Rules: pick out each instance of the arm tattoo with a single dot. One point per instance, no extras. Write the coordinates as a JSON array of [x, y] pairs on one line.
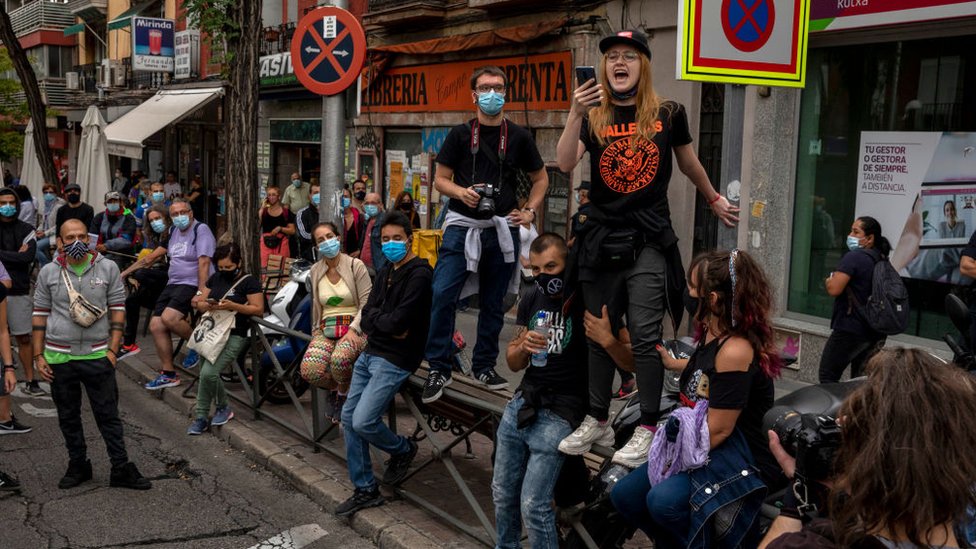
[[39, 328], [116, 326]]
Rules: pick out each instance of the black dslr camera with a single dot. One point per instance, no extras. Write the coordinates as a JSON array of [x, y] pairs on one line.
[[812, 439], [486, 205]]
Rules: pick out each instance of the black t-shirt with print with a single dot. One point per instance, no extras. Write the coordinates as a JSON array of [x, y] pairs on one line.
[[624, 178], [563, 380], [750, 391], [520, 153], [249, 286]]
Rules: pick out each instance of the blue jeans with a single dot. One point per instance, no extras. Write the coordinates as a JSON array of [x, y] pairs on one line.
[[375, 381], [663, 513], [494, 276], [43, 248], [527, 464]]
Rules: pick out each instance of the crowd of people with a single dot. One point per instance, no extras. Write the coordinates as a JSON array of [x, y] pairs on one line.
[[590, 308]]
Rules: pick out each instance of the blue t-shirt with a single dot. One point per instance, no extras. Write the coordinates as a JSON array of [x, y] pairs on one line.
[[859, 265]]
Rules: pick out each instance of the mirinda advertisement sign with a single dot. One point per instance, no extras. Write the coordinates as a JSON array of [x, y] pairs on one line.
[[536, 82], [153, 44]]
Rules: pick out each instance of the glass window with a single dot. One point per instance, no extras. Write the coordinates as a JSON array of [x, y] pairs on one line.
[[922, 85]]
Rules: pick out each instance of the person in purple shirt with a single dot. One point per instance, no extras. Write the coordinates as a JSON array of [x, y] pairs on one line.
[[190, 249]]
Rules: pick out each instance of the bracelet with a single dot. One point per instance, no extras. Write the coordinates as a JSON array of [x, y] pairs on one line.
[[716, 199], [9, 367]]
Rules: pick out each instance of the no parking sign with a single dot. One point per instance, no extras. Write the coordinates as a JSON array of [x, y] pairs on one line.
[[761, 42]]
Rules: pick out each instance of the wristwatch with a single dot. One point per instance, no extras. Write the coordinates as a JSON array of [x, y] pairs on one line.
[[530, 210], [199, 293]]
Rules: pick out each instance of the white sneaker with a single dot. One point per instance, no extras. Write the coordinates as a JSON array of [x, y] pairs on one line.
[[635, 451], [590, 432]]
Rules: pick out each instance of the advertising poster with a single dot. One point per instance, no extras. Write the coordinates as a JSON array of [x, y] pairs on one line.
[[921, 187], [187, 54], [153, 44]]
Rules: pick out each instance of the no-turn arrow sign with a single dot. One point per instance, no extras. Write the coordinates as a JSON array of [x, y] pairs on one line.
[[328, 50]]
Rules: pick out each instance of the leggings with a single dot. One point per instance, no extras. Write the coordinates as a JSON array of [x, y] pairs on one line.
[[333, 359]]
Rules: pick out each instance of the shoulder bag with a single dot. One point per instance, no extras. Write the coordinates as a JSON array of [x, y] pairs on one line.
[[83, 312], [213, 330]]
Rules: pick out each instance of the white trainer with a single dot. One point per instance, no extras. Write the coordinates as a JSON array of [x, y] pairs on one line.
[[635, 451], [590, 432]]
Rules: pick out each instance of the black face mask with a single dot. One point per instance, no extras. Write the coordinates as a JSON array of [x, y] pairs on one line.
[[74, 198], [550, 284], [692, 304], [360, 195], [406, 206], [230, 276]]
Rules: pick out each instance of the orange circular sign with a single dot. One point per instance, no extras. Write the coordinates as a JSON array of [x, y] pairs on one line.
[[328, 50]]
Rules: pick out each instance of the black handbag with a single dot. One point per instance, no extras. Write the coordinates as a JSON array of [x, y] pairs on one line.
[[272, 241], [620, 248]]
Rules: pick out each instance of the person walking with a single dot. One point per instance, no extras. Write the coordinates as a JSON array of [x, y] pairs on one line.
[[80, 348], [277, 224], [476, 169], [627, 251], [45, 232], [852, 341], [227, 290], [18, 248]]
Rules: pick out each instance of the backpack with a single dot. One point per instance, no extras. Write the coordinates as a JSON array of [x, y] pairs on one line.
[[886, 310]]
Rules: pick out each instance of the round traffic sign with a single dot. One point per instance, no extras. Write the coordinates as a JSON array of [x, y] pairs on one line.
[[328, 50], [748, 24]]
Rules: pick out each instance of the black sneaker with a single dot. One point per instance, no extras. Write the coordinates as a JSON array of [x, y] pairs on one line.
[[8, 483], [434, 386], [398, 465], [13, 427], [127, 476], [33, 389], [490, 378], [361, 499], [78, 472]]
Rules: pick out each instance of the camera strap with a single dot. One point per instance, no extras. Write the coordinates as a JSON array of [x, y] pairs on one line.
[[807, 507], [476, 146]]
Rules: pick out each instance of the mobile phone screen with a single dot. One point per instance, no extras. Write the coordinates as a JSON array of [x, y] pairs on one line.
[[584, 73]]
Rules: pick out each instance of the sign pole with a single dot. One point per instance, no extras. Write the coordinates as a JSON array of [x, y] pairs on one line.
[[333, 165], [733, 120]]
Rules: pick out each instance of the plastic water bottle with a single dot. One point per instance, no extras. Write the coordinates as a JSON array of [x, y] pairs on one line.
[[541, 328]]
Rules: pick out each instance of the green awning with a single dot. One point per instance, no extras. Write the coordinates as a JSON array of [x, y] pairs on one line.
[[74, 29], [125, 18]]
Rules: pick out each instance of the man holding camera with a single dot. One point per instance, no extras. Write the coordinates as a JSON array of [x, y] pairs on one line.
[[477, 169]]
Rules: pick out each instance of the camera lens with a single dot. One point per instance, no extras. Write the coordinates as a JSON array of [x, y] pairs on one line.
[[786, 423]]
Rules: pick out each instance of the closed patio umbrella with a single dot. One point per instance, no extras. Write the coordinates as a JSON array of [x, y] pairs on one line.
[[93, 174], [31, 175]]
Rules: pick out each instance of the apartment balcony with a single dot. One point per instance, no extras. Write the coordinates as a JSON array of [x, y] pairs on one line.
[[40, 15], [89, 10], [398, 13], [276, 39]]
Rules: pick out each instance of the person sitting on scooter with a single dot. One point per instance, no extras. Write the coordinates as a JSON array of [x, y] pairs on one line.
[[340, 289], [227, 290], [730, 378], [904, 468], [547, 406]]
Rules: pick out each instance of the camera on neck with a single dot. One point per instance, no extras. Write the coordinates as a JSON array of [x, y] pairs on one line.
[[486, 205]]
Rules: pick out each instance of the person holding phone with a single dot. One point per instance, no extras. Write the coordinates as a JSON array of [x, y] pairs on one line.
[[628, 254]]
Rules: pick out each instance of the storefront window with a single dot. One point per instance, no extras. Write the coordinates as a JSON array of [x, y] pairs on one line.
[[926, 86]]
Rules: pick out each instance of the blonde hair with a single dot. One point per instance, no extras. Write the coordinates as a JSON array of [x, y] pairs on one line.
[[648, 105]]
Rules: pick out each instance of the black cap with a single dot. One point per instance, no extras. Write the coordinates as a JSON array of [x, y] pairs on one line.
[[72, 187], [633, 38], [583, 186]]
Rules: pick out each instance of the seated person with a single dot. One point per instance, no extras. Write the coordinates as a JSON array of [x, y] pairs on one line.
[[146, 283], [116, 230]]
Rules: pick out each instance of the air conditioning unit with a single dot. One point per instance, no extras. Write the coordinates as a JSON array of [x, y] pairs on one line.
[[71, 81], [118, 76]]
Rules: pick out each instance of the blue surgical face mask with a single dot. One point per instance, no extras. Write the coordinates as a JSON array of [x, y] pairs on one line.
[[112, 208], [158, 225], [158, 197], [329, 248], [853, 242], [181, 222], [395, 250], [8, 210], [491, 102], [346, 201], [49, 197], [316, 199], [371, 210], [296, 182]]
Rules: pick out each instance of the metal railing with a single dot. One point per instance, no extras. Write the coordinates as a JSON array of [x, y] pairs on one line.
[[87, 9], [276, 39], [40, 15]]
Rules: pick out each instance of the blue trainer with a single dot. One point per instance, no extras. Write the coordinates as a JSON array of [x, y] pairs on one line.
[[222, 415], [191, 360], [198, 427], [163, 380]]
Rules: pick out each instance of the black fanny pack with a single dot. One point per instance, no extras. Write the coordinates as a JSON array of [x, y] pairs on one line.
[[272, 241], [620, 248]]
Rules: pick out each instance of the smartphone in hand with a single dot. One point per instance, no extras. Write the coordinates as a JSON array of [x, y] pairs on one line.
[[585, 73]]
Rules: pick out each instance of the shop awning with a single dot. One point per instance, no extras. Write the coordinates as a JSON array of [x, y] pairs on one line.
[[126, 135], [74, 29], [124, 19]]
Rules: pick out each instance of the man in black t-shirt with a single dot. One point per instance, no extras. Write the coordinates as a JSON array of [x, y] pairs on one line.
[[476, 169], [548, 405], [74, 209]]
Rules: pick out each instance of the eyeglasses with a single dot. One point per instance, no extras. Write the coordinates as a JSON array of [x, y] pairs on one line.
[[629, 56], [497, 89]]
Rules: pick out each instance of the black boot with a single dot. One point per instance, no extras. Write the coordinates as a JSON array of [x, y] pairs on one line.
[[78, 472], [127, 476]]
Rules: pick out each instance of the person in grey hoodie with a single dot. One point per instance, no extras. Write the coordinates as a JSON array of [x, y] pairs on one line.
[[69, 355]]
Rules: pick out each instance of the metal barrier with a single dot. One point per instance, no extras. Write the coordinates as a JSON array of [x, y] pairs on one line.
[[457, 413]]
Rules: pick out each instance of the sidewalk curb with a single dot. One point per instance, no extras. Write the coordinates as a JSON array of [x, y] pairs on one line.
[[378, 525]]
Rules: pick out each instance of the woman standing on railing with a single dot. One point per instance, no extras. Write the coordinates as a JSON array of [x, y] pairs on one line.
[[227, 290], [340, 288]]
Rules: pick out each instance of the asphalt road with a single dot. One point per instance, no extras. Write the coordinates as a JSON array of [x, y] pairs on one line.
[[205, 494]]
